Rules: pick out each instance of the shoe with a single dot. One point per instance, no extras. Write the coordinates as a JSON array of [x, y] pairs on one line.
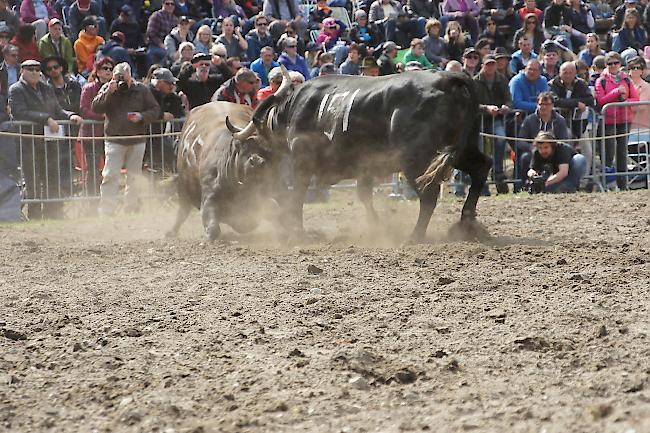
[[502, 186]]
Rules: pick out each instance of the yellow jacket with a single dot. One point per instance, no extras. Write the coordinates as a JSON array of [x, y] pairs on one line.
[[85, 47]]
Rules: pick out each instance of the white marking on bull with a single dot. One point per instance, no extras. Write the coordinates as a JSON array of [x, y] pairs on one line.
[[346, 116], [322, 106], [329, 135], [333, 108]]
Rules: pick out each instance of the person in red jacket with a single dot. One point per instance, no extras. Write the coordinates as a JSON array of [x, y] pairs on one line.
[[25, 40], [614, 86]]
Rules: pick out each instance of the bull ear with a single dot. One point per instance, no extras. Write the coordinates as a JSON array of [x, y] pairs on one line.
[[232, 128]]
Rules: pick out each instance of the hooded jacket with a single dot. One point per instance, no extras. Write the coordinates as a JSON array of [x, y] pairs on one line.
[[85, 47], [533, 124], [607, 91], [524, 93], [47, 49], [300, 65]]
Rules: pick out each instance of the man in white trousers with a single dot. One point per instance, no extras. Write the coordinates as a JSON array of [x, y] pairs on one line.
[[128, 106]]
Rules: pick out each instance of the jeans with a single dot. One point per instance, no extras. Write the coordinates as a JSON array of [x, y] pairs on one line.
[[155, 55], [577, 169], [617, 146], [496, 127], [118, 156]]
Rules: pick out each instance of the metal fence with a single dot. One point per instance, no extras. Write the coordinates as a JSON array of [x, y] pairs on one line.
[[63, 167]]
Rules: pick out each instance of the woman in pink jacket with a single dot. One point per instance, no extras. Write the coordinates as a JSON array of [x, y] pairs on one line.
[[641, 120], [614, 86]]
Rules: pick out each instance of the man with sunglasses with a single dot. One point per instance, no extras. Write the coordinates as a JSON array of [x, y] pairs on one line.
[[258, 37], [159, 26], [9, 69], [67, 91], [196, 81], [241, 89], [48, 162], [291, 59]]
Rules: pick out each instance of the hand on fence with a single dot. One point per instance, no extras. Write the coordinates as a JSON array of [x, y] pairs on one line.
[[53, 125], [77, 120]]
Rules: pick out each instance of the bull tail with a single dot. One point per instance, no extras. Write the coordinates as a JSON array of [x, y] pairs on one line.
[[439, 170]]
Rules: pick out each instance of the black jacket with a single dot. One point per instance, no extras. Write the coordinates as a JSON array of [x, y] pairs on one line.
[[554, 15], [68, 96], [498, 95], [35, 105], [386, 66], [170, 103], [197, 92], [423, 8], [580, 93]]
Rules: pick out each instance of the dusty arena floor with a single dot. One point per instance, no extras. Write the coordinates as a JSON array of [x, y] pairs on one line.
[[544, 328]]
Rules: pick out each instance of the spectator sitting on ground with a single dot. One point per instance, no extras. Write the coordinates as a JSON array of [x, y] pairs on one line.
[[352, 65], [522, 56], [369, 67], [10, 69], [37, 16], [25, 40], [493, 35], [86, 45], [291, 59], [416, 53], [435, 48], [232, 39], [543, 119], [258, 37], [218, 65], [203, 40], [559, 161], [274, 79], [526, 86], [56, 44], [241, 89], [363, 32], [196, 81], [503, 62], [386, 65], [177, 36], [328, 69], [456, 41], [67, 91], [470, 62], [591, 50], [159, 26], [573, 97], [127, 24], [550, 61], [264, 65], [186, 51], [82, 9]]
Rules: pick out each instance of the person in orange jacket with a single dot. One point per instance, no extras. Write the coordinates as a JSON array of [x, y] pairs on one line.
[[87, 44]]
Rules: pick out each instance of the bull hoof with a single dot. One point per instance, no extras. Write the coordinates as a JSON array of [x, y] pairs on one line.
[[171, 235], [212, 233], [468, 229]]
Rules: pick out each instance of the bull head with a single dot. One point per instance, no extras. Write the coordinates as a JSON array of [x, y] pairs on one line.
[[261, 112]]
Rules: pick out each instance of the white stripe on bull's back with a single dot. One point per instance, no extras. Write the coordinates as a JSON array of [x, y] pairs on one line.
[[346, 116], [322, 106]]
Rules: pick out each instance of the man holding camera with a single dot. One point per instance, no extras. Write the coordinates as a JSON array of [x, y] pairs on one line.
[[128, 106], [555, 167]]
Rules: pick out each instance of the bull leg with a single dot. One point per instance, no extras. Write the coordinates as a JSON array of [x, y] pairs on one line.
[[300, 186], [478, 172], [428, 202], [364, 191], [184, 208], [209, 218]]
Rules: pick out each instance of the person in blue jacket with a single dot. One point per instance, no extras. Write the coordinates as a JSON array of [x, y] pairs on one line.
[[264, 64], [526, 86], [114, 48], [292, 60]]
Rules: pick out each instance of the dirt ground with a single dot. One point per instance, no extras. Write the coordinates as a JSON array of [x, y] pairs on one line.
[[545, 327]]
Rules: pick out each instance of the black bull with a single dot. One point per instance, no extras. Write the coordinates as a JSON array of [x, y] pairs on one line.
[[230, 180], [336, 127]]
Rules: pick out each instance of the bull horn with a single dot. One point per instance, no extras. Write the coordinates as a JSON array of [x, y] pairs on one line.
[[283, 90], [238, 133]]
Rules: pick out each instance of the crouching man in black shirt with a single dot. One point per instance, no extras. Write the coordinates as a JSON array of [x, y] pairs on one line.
[[556, 164]]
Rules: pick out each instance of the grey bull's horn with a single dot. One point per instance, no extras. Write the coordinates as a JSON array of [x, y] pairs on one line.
[[284, 88], [238, 133]]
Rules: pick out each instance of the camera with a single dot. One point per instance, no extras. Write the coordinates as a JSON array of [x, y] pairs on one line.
[[121, 84], [537, 184]]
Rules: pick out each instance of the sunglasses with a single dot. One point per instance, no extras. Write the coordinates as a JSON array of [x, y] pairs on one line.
[[32, 69], [106, 68], [53, 67], [613, 63], [636, 68], [292, 46], [169, 4]]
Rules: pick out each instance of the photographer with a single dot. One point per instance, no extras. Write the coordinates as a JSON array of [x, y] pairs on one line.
[[555, 167], [128, 106]]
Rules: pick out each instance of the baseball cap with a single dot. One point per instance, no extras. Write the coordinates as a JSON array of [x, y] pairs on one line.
[[184, 19], [199, 57], [489, 58], [390, 44], [30, 62], [329, 23], [328, 69], [127, 10], [468, 51], [500, 53], [54, 21], [164, 74], [219, 50]]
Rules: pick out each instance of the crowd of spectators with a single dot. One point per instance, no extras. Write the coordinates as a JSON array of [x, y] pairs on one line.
[[227, 50]]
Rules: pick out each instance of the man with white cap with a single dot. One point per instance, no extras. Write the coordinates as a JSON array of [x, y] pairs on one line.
[[50, 166], [128, 106], [54, 43]]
